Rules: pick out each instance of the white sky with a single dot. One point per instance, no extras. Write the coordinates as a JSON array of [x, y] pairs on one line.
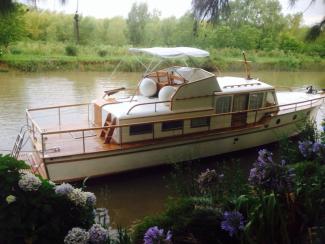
[[110, 8]]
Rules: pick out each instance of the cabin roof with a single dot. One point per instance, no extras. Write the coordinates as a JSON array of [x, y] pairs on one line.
[[237, 84], [120, 110], [142, 106]]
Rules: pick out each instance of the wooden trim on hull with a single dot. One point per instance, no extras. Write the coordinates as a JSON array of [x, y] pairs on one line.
[[177, 146]]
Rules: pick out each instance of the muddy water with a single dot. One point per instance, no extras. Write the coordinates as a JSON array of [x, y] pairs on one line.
[[128, 196]]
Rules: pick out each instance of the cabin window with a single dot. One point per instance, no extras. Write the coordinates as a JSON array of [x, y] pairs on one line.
[[200, 122], [141, 129], [270, 99], [172, 125], [223, 104], [240, 102], [256, 100]]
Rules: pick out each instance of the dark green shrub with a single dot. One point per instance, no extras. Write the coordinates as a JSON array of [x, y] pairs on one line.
[[15, 51], [39, 215], [71, 50], [102, 53]]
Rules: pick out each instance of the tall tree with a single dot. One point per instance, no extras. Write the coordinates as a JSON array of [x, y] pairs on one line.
[[12, 25], [316, 30], [210, 10], [137, 20]]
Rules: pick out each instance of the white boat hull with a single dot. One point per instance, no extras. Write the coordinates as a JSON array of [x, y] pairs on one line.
[[77, 167]]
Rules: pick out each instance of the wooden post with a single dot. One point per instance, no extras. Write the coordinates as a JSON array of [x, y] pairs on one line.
[[248, 75], [83, 141], [59, 117]]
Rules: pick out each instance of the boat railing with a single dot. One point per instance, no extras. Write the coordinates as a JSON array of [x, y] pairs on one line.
[[144, 104], [44, 136], [60, 107]]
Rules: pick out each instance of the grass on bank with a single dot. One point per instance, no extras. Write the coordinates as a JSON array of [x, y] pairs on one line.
[[40, 56]]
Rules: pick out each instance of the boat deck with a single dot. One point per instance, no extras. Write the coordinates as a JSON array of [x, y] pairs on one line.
[[70, 132]]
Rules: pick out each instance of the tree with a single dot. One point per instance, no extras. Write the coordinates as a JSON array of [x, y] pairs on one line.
[[316, 30], [210, 10], [12, 25], [137, 20], [264, 15]]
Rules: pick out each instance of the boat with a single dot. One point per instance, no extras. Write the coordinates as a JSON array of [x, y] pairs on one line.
[[177, 114]]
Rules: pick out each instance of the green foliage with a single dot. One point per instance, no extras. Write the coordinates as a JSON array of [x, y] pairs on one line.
[[12, 25], [290, 44], [71, 50], [271, 215], [39, 216], [102, 53], [137, 20], [253, 25], [187, 221]]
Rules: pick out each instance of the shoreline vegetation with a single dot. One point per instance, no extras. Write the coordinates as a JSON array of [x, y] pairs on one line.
[[34, 40], [42, 56]]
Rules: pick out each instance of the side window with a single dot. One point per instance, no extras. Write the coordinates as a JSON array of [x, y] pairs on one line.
[[140, 129], [240, 102], [270, 99], [172, 125], [256, 100], [200, 122], [223, 104]]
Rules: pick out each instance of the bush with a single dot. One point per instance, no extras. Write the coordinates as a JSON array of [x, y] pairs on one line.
[[102, 53], [32, 212], [71, 50], [15, 51], [276, 201]]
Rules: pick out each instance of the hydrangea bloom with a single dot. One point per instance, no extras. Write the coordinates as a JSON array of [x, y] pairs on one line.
[[269, 175], [64, 189], [97, 234], [78, 197], [154, 235], [232, 222], [10, 199], [29, 182], [76, 236], [208, 178], [91, 198]]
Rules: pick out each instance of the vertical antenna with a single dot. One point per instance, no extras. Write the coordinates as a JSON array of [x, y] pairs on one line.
[[248, 75]]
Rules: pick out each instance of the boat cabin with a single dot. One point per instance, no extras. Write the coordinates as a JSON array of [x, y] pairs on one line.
[[183, 101]]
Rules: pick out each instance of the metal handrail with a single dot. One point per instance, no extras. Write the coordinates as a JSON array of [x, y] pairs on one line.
[[58, 106], [271, 109], [141, 104], [192, 117]]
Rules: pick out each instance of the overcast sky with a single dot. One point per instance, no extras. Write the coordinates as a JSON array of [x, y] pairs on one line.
[[110, 8]]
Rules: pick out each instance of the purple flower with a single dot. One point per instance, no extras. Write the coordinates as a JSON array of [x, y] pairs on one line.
[[97, 234], [63, 189], [154, 235], [91, 198], [232, 222], [312, 150], [306, 148], [269, 175]]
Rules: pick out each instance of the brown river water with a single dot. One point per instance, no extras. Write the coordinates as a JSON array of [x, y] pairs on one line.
[[129, 196]]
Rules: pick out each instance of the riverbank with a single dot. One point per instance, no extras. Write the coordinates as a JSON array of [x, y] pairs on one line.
[[38, 57]]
